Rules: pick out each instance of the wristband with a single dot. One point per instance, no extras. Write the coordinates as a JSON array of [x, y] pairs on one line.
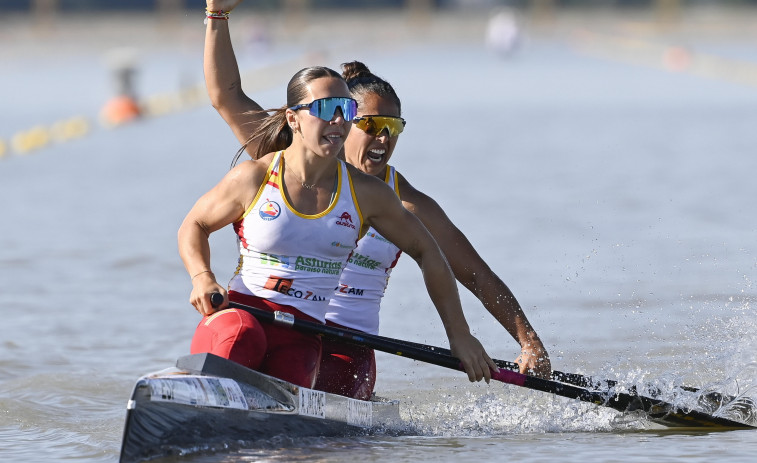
[[220, 14]]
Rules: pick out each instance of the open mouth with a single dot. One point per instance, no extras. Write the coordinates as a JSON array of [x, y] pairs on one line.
[[333, 138], [376, 155]]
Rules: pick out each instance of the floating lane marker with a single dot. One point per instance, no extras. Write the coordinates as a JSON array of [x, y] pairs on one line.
[[70, 129], [161, 105], [41, 136], [30, 140], [123, 110], [119, 110]]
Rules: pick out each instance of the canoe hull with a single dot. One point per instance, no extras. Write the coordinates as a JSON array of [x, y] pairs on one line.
[[210, 403]]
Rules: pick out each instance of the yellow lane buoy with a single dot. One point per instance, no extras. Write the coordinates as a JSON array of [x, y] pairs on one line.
[[30, 140], [68, 129]]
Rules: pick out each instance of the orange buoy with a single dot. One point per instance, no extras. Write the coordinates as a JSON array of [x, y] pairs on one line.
[[119, 110]]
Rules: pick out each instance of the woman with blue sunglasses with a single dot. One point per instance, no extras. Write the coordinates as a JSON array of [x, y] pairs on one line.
[[347, 369], [298, 212]]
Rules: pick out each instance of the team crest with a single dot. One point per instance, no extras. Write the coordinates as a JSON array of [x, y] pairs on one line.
[[269, 210]]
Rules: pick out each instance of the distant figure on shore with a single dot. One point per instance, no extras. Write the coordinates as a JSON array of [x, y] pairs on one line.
[[502, 32], [123, 107]]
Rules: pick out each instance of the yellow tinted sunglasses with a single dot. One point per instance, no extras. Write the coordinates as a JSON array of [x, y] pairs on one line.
[[374, 125]]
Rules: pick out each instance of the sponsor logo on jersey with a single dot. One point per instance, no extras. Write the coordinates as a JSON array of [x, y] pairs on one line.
[[280, 285], [274, 260], [337, 244], [311, 264], [345, 289], [269, 210], [284, 286], [364, 261], [378, 237], [345, 220]]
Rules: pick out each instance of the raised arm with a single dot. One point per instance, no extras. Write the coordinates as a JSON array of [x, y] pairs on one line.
[[222, 79], [383, 211], [476, 275]]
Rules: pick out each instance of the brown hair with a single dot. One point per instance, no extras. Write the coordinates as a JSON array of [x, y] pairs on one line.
[[362, 81], [274, 133]]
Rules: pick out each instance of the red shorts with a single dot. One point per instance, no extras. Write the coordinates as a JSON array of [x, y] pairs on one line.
[[275, 350], [346, 369]]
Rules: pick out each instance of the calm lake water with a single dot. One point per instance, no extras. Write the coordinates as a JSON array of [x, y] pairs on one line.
[[615, 197]]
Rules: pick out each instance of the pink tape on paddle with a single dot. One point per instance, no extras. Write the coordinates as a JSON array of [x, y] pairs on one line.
[[509, 377]]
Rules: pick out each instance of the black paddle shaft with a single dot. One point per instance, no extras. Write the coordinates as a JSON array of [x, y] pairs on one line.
[[713, 398], [657, 410]]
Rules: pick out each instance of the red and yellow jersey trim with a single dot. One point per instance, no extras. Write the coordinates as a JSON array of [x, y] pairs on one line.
[[271, 178]]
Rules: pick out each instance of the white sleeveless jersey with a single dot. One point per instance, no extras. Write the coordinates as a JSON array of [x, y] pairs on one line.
[[292, 258], [356, 301]]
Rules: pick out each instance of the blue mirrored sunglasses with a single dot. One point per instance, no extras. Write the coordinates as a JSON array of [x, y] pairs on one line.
[[325, 108]]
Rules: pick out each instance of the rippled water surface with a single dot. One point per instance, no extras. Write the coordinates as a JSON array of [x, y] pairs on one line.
[[615, 198]]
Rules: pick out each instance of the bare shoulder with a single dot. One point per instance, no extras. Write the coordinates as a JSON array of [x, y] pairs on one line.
[[412, 198], [363, 181], [248, 175], [372, 193]]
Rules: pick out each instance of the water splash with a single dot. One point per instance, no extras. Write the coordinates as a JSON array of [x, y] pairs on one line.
[[516, 411]]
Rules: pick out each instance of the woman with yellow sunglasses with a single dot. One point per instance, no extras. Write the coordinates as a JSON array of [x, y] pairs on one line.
[[346, 369]]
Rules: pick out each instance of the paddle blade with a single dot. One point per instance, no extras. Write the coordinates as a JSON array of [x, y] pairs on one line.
[[656, 410]]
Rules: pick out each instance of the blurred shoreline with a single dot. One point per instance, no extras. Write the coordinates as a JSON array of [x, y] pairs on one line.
[[77, 33], [70, 55]]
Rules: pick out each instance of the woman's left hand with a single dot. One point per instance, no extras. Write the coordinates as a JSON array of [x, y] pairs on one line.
[[534, 360]]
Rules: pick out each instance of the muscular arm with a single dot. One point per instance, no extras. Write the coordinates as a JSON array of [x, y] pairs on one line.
[[222, 205], [383, 211], [222, 79], [476, 275]]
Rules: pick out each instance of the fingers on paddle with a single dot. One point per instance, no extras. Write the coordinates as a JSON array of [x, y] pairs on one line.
[[471, 374], [489, 367], [207, 307], [534, 366], [472, 368], [544, 369], [480, 367], [211, 302], [197, 303], [215, 301]]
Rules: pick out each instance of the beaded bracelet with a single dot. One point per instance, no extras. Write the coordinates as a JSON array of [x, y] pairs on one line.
[[220, 14]]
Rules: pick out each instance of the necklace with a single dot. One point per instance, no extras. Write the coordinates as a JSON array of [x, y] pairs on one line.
[[307, 186]]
